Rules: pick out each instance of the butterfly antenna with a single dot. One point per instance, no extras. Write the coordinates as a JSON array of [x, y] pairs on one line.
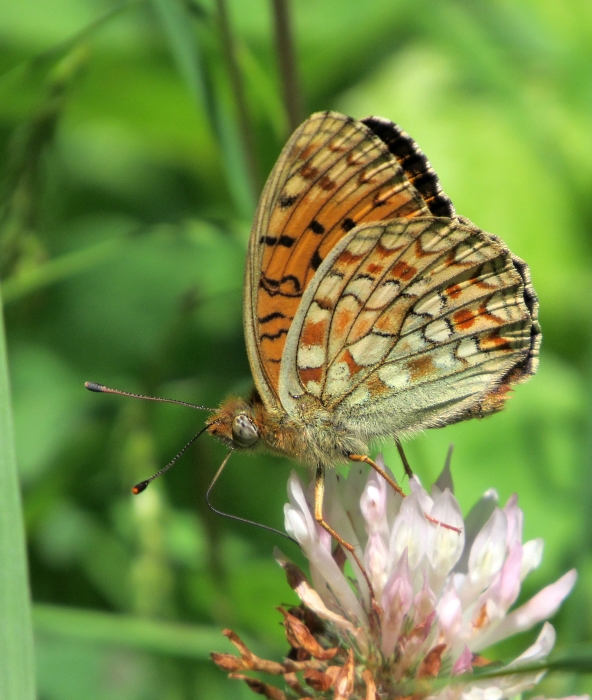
[[138, 488], [236, 517], [99, 388]]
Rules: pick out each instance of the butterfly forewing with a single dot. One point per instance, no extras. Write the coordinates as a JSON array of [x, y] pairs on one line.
[[333, 174], [415, 164], [407, 324]]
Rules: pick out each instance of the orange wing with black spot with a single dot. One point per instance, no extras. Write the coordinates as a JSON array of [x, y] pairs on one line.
[[334, 174]]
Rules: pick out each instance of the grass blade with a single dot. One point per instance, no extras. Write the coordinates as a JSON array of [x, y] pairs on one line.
[[191, 641], [179, 28], [59, 269], [238, 91], [287, 62], [17, 666]]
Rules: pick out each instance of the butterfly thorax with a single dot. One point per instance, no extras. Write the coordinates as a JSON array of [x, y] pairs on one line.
[[309, 436]]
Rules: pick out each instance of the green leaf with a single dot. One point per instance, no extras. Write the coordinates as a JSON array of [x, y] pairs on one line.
[[17, 669], [178, 25], [172, 638], [59, 269]]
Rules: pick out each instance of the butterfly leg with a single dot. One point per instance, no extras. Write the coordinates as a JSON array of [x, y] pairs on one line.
[[403, 457], [398, 489], [318, 513], [383, 474]]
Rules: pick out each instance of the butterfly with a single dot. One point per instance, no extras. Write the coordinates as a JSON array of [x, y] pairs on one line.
[[371, 310]]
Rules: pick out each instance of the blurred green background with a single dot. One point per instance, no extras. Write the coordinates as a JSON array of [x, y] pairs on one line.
[[129, 182]]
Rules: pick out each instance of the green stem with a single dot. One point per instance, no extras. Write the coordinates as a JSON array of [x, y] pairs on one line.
[[17, 666], [238, 91], [187, 52], [287, 62], [59, 269], [94, 627]]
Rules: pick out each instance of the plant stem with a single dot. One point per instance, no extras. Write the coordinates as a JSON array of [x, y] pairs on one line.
[[287, 63], [237, 87], [17, 666]]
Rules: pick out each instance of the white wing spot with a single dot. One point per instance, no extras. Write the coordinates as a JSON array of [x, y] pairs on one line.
[[383, 296], [338, 379], [409, 345], [313, 388], [467, 348], [361, 245], [361, 287], [394, 377], [430, 306], [370, 350], [311, 356], [330, 289], [438, 331]]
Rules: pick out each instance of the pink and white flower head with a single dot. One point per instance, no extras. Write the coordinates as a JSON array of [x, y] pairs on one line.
[[444, 590]]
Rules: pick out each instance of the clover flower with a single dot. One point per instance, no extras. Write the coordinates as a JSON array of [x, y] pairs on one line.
[[442, 592]]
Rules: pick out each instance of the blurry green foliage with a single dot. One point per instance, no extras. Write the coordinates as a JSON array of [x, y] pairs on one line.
[[124, 216]]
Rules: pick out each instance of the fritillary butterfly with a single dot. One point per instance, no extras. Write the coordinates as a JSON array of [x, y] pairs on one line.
[[371, 309]]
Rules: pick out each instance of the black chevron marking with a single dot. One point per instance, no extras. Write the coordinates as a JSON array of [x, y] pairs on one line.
[[364, 276], [272, 287], [274, 336], [272, 316]]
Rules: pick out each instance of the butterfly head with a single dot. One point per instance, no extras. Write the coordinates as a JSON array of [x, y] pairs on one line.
[[234, 424]]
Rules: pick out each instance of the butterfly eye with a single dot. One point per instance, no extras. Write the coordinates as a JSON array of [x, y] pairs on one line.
[[243, 430]]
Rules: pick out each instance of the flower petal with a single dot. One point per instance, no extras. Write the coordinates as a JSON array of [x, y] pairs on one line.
[[444, 544], [418, 490], [376, 560], [540, 649], [444, 481], [328, 578], [296, 525], [396, 601], [532, 554], [410, 532], [506, 586], [424, 603], [474, 522], [298, 499], [464, 663], [487, 556], [350, 489], [515, 518], [373, 503], [338, 519], [449, 614], [541, 606], [514, 684]]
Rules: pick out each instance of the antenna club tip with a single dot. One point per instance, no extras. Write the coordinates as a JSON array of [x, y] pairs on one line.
[[93, 386], [138, 488]]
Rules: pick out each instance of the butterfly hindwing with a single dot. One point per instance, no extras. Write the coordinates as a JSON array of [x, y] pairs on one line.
[[410, 324]]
